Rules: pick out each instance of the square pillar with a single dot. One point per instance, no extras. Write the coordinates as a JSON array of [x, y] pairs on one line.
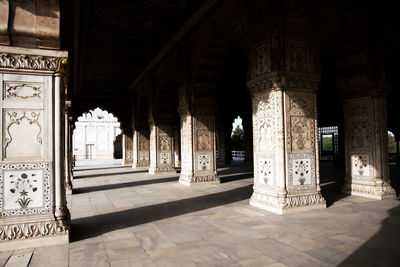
[[67, 160], [161, 149], [220, 140], [141, 148], [127, 149], [366, 148], [198, 149], [286, 173], [33, 207]]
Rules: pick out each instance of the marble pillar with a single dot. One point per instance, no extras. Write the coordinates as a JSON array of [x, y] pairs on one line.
[[33, 206], [141, 148], [161, 149], [67, 152], [198, 148], [366, 148], [127, 149], [286, 176]]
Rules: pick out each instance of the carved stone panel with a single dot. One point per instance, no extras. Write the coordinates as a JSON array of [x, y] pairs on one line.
[[266, 172], [22, 134], [358, 125], [362, 167], [262, 63], [204, 161], [204, 133], [23, 91], [301, 172], [25, 189], [297, 56]]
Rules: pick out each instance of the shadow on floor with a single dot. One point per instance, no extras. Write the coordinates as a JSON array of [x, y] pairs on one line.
[[89, 168], [89, 189], [93, 226], [383, 248], [108, 174], [234, 177]]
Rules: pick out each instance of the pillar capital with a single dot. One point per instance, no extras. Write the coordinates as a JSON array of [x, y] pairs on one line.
[[284, 81]]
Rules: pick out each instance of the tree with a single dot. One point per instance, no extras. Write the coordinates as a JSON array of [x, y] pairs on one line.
[[237, 138]]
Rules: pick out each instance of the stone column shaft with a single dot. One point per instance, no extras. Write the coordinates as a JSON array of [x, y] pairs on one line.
[[141, 148], [367, 172], [198, 149], [286, 176]]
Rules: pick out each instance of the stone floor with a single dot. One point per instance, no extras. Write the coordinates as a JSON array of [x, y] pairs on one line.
[[125, 217]]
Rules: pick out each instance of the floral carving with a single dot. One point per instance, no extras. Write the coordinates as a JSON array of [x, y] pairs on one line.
[[300, 133], [164, 142], [22, 186], [204, 162]]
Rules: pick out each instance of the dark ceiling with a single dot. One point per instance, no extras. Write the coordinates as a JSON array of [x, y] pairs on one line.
[[112, 41]]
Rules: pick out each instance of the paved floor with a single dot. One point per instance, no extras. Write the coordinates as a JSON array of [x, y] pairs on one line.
[[125, 217]]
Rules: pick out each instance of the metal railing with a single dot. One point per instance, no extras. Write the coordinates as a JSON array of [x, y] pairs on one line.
[[237, 154]]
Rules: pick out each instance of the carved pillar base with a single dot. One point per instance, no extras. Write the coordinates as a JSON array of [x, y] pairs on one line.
[[195, 179], [374, 191], [281, 204], [367, 165]]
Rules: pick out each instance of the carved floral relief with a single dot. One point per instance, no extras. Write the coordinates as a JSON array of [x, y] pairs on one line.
[[164, 142], [204, 161], [361, 166], [301, 172], [25, 189], [300, 133], [266, 171]]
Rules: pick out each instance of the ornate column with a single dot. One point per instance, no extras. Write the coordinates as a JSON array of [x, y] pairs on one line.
[[141, 148], [67, 160], [161, 147], [366, 141], [198, 148], [283, 82], [286, 174], [33, 207], [127, 149], [177, 151]]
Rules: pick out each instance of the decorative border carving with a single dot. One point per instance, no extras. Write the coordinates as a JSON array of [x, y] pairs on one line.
[[304, 200], [47, 198], [11, 90], [14, 119], [29, 62], [33, 229], [384, 191], [281, 80]]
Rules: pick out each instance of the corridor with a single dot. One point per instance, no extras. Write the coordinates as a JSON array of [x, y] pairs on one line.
[[125, 217]]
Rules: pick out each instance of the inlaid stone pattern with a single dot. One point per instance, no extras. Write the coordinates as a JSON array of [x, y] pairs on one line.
[[204, 143], [361, 166], [144, 156], [301, 172], [204, 162], [25, 189], [266, 172]]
